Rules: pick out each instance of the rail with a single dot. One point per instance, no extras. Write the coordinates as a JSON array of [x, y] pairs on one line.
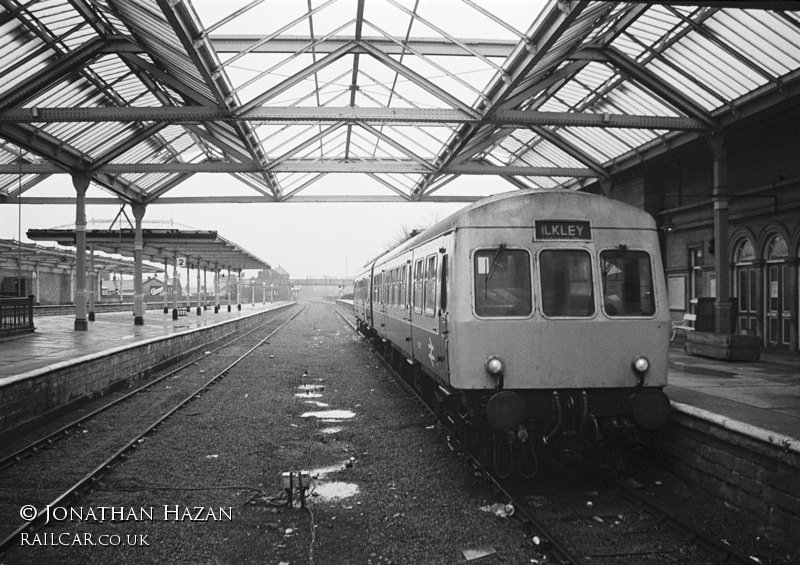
[[16, 315]]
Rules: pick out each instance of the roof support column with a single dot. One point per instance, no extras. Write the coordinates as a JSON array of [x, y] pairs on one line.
[[92, 282], [175, 283], [216, 288], [239, 290], [199, 311], [138, 247], [166, 285], [38, 274], [188, 285], [81, 184], [720, 198], [228, 287], [205, 288]]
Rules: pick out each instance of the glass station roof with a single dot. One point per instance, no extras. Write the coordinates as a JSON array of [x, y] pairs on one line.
[[372, 99]]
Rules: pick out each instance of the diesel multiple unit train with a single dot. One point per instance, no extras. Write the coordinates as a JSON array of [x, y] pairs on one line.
[[527, 319]]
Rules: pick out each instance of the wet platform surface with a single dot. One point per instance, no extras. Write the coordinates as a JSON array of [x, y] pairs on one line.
[[56, 341], [764, 394]]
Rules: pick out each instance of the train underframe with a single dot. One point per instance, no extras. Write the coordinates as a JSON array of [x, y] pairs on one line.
[[508, 430]]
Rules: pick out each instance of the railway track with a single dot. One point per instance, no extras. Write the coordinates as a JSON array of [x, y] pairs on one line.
[[624, 523], [117, 428]]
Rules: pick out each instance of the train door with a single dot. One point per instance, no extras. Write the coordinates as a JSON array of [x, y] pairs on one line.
[[370, 297], [428, 342], [382, 302], [442, 311], [778, 284]]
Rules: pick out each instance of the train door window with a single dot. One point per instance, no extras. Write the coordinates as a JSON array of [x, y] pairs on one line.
[[502, 282], [567, 289], [396, 286], [627, 283], [429, 289], [390, 298], [419, 275], [404, 286], [443, 283]]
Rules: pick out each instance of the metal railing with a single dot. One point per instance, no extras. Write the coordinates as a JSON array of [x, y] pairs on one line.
[[16, 315]]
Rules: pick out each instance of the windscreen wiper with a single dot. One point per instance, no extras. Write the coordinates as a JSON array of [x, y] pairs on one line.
[[494, 260]]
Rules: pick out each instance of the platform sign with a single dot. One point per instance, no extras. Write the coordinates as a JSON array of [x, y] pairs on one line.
[[563, 229]]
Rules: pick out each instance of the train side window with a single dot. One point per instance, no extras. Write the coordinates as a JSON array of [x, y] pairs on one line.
[[627, 283], [392, 285], [567, 289], [403, 289], [429, 288], [502, 282], [419, 274]]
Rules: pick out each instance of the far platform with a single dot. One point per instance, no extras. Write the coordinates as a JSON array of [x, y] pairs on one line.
[[56, 341]]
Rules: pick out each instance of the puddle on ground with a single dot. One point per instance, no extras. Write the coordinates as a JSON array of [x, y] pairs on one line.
[[311, 387], [333, 430], [330, 414], [308, 395], [322, 472], [333, 491], [317, 403]]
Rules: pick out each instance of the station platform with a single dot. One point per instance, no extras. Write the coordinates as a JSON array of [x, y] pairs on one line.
[[55, 340], [760, 398]]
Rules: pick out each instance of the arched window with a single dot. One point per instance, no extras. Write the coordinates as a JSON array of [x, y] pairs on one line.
[[777, 250], [745, 252]]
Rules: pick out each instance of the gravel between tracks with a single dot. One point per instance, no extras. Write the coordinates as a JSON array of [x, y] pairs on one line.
[[415, 503]]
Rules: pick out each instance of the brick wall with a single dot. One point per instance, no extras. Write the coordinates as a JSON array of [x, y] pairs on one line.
[[755, 475], [28, 402]]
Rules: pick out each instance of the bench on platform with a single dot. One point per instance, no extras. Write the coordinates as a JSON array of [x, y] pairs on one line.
[[685, 325]]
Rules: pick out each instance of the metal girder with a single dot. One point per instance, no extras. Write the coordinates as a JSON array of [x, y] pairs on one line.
[[44, 79], [419, 80], [292, 115], [733, 4], [571, 150], [294, 44], [250, 199], [314, 166], [296, 78], [660, 88], [65, 159], [553, 24]]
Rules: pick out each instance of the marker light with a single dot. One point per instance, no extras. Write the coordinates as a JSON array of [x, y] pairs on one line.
[[494, 365], [641, 364]]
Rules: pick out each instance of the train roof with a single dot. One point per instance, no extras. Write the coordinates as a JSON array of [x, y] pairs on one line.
[[520, 208]]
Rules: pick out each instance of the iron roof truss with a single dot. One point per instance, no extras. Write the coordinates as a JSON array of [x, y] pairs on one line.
[[144, 94]]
